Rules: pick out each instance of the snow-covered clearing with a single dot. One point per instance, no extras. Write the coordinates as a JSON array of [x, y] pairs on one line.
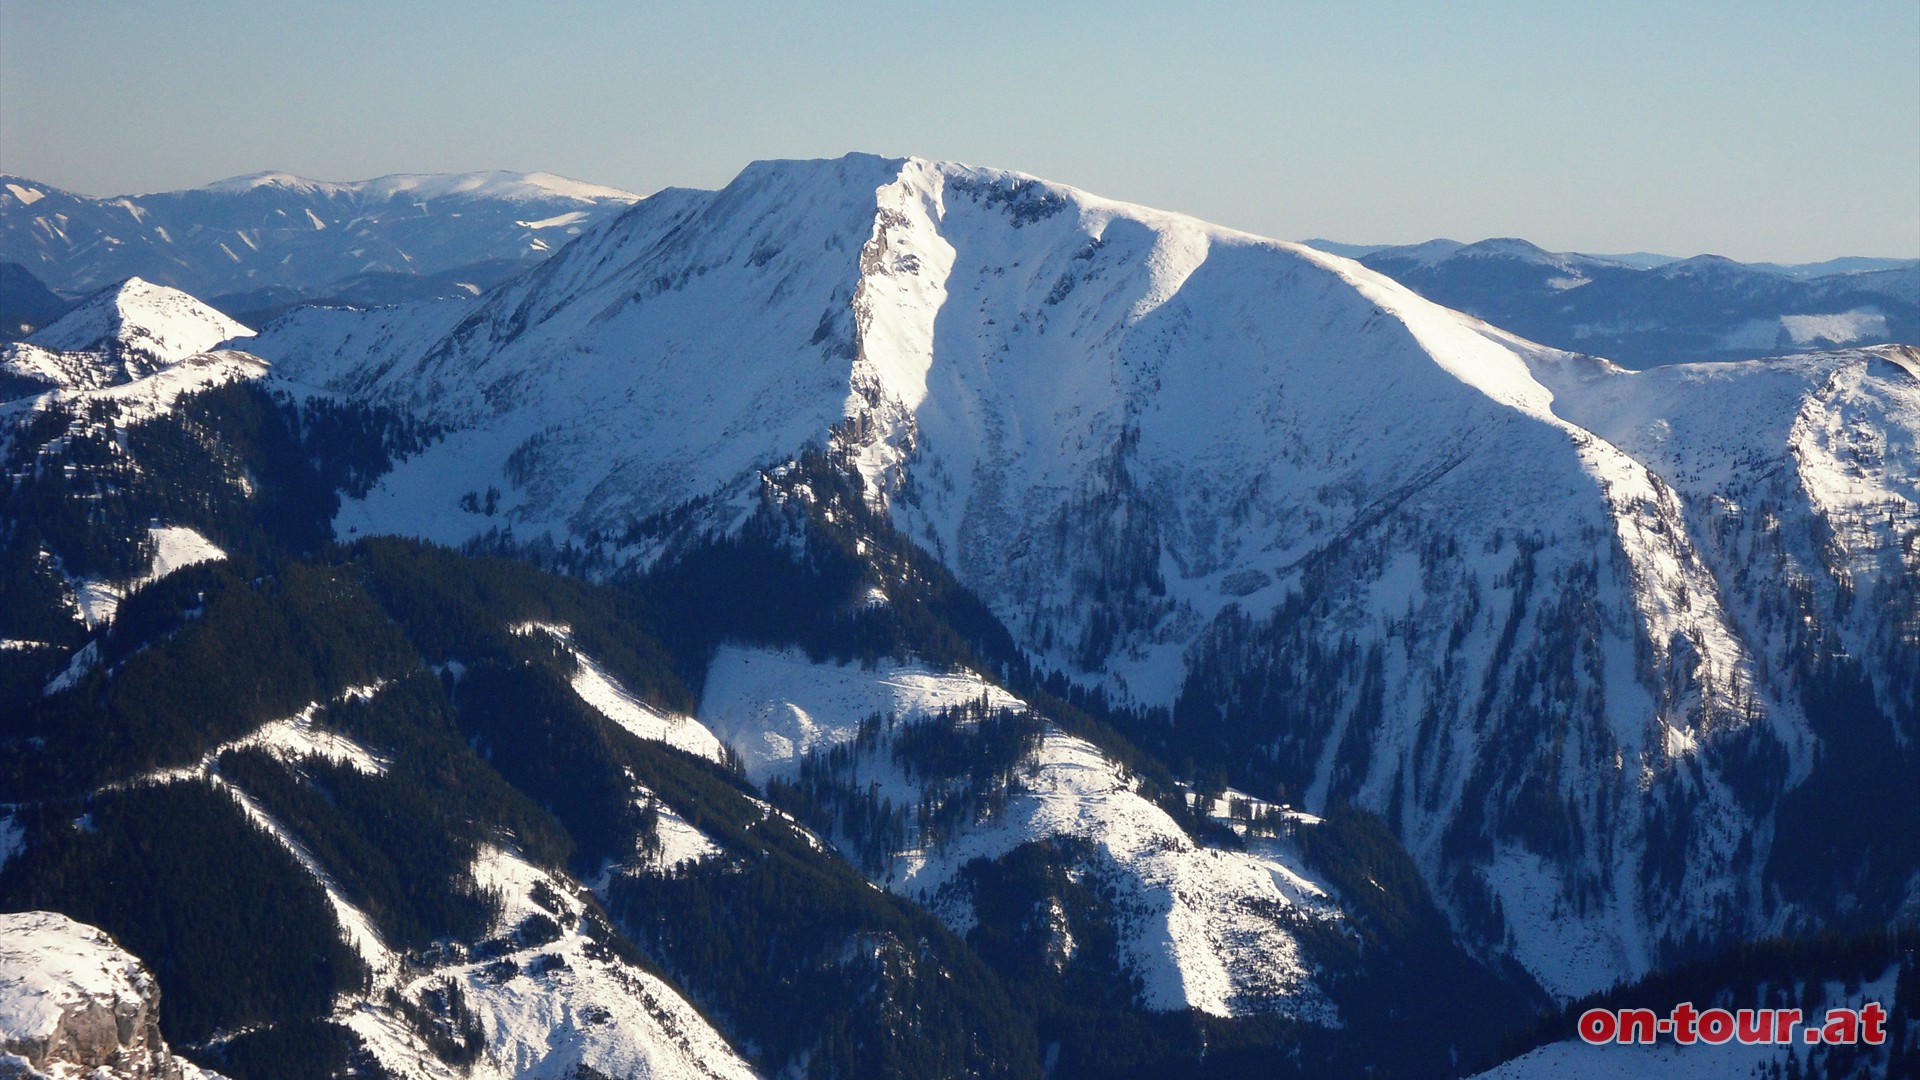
[[1203, 928], [606, 696], [548, 1010]]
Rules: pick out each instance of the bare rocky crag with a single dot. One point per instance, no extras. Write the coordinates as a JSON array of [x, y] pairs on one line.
[[73, 1003]]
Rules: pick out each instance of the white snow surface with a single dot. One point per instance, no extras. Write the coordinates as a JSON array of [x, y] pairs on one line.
[[53, 368], [84, 659], [571, 217], [80, 378], [679, 841], [137, 345], [1057, 394], [775, 706], [1844, 328], [1203, 928], [159, 325], [595, 1011], [1858, 326], [48, 962], [1200, 925], [297, 738], [53, 968], [175, 547], [291, 739], [607, 697]]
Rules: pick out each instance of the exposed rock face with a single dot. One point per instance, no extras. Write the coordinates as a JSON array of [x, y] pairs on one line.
[[75, 1004]]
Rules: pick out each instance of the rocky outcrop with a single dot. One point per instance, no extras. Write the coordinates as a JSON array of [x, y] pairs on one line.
[[73, 1003]]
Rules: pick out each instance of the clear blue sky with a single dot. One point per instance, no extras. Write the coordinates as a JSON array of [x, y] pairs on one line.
[[1749, 128]]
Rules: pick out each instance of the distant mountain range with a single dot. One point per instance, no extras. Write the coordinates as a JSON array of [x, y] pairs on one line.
[[254, 244], [1647, 310], [1645, 260]]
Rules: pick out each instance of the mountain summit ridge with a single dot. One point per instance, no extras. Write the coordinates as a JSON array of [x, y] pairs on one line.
[[161, 324]]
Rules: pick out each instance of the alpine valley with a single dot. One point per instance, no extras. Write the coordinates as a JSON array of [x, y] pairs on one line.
[[891, 618]]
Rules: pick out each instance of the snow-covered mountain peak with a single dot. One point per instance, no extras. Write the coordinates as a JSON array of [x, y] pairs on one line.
[[1507, 246], [1072, 302], [266, 179], [861, 270], [141, 323], [1706, 267], [1150, 445]]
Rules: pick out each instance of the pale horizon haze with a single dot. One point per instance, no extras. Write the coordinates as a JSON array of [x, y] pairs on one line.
[[1761, 131]]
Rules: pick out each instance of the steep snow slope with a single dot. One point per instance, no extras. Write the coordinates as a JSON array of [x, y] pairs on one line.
[[553, 1011], [704, 410], [119, 335], [138, 318], [1372, 540], [611, 700], [1203, 928], [174, 546]]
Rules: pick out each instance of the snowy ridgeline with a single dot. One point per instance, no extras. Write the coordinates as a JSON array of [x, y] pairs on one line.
[[606, 696], [141, 323], [136, 349]]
